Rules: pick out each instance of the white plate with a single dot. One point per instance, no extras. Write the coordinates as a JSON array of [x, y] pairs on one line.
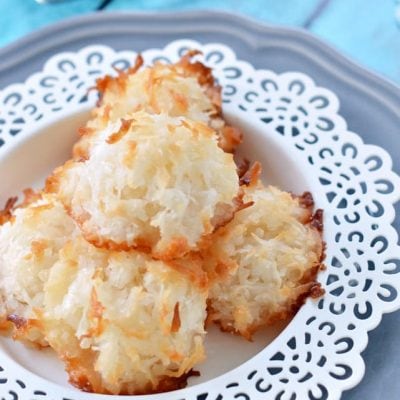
[[292, 127]]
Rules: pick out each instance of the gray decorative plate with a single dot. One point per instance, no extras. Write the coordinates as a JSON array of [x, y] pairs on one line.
[[369, 104]]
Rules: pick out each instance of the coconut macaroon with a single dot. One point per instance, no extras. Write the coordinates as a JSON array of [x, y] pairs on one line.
[[122, 322], [29, 244], [263, 264], [185, 88], [153, 182]]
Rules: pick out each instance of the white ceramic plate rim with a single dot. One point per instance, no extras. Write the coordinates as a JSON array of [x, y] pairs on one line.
[[172, 50]]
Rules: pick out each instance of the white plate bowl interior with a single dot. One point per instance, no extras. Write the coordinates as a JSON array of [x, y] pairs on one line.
[[34, 157]]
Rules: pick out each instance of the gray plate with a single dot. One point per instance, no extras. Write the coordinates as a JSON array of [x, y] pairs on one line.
[[370, 104]]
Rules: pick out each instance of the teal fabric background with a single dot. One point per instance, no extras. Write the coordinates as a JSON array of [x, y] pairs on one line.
[[366, 30]]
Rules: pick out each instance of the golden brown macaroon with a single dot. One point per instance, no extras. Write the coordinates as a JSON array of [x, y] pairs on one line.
[[153, 182], [122, 322], [29, 244], [263, 264], [186, 88]]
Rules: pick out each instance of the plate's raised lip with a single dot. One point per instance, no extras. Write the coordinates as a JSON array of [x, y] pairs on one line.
[[26, 47]]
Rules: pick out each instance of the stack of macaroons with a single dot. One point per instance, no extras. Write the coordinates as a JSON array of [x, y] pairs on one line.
[[147, 232]]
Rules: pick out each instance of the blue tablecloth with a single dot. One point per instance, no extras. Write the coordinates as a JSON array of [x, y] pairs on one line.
[[366, 30]]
